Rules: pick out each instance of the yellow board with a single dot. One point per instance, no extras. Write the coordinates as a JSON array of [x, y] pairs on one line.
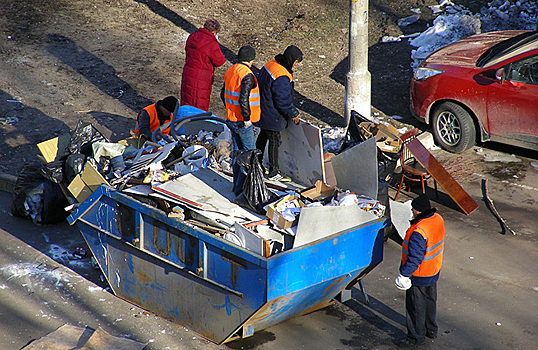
[[49, 149]]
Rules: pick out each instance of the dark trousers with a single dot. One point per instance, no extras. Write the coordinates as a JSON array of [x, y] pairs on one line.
[[420, 305], [275, 140]]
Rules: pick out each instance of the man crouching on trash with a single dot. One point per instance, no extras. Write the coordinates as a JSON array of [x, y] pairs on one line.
[[422, 257]]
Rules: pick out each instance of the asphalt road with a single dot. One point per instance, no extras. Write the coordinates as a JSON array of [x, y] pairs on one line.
[[488, 291]]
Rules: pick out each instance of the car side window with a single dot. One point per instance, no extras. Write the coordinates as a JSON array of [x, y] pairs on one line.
[[525, 71]]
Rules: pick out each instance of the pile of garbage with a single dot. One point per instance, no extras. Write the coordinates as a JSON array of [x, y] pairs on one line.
[[178, 176]]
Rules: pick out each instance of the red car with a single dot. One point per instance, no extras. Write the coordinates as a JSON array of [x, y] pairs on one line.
[[484, 87]]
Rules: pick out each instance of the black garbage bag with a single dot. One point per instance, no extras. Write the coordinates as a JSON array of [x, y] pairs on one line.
[[354, 134], [82, 138], [74, 164], [254, 188], [53, 171], [37, 197]]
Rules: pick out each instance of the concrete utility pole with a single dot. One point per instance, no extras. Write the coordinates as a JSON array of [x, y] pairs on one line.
[[358, 82]]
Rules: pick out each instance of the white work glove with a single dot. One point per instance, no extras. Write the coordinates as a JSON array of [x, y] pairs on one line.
[[248, 123], [402, 282]]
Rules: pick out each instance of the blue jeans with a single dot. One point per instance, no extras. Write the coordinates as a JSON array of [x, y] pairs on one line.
[[242, 139]]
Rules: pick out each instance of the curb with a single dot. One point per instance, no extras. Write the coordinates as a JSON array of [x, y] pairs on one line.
[[7, 182]]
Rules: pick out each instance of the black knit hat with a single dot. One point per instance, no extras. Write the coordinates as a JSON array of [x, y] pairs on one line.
[[169, 103], [421, 203], [246, 54]]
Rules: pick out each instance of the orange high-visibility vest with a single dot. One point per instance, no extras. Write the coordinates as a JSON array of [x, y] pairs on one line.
[[232, 89], [433, 231], [276, 70], [153, 120]]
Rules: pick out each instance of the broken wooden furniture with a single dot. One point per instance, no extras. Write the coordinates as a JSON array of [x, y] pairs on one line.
[[412, 170], [439, 174]]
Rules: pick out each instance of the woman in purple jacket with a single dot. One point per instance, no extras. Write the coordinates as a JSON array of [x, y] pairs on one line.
[[202, 55]]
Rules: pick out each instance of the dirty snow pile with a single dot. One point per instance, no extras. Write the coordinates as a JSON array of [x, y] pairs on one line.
[[457, 22]]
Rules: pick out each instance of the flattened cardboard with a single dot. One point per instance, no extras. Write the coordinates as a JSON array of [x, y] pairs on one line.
[[49, 149], [319, 192], [329, 178], [386, 136]]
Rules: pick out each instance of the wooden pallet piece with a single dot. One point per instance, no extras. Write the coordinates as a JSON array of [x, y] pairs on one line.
[[443, 178]]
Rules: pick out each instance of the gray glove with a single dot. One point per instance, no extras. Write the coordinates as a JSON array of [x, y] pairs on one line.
[[402, 282], [248, 124]]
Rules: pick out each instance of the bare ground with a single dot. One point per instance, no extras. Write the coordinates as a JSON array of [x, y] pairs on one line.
[[67, 61]]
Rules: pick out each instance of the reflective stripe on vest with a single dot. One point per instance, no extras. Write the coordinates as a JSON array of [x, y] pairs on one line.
[[433, 231], [154, 122], [276, 70], [232, 90]]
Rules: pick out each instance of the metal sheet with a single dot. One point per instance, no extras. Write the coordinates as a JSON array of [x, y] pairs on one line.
[[208, 191], [301, 153], [355, 169], [319, 222]]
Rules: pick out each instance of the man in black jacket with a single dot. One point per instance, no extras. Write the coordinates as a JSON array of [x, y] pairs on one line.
[[277, 109]]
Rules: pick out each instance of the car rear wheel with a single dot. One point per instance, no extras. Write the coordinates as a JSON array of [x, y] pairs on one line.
[[453, 128]]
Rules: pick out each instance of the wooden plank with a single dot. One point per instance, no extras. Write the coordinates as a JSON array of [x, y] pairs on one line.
[[447, 182]]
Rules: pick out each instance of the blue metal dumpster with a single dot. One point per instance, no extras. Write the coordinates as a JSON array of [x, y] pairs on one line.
[[208, 284]]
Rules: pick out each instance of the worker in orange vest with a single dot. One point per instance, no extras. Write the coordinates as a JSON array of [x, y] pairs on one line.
[[241, 97], [422, 258], [153, 116]]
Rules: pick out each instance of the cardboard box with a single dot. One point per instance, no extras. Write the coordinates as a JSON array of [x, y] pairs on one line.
[[92, 178], [320, 192], [273, 212], [86, 183], [79, 189], [386, 136]]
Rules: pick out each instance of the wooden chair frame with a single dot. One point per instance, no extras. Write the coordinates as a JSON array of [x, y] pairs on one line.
[[412, 170]]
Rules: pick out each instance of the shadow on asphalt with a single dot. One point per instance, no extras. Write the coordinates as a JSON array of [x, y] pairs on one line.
[[377, 313]]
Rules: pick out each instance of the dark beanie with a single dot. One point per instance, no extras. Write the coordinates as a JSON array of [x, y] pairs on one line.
[[169, 103], [246, 54], [421, 203]]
